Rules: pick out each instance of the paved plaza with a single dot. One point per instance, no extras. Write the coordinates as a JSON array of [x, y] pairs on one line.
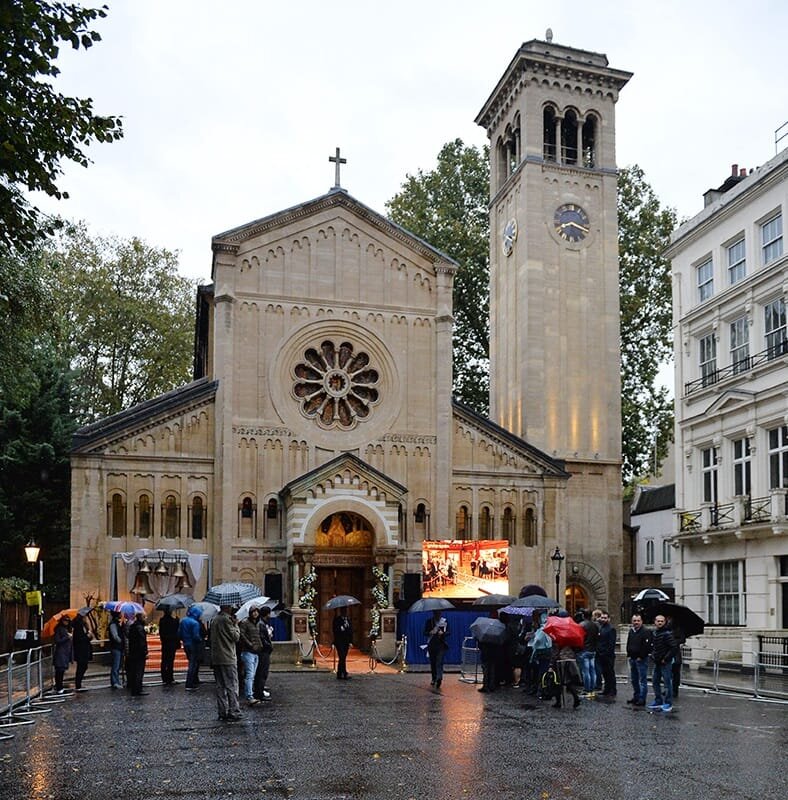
[[388, 736]]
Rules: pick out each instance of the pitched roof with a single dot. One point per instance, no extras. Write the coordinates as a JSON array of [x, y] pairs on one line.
[[654, 498], [127, 422]]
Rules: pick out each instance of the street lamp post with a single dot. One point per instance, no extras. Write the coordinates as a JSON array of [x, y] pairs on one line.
[[557, 558], [32, 551]]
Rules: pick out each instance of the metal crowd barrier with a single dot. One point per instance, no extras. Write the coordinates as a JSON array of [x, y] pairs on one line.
[[470, 667], [25, 678]]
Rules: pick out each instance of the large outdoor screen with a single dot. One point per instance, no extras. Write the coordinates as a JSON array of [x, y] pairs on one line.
[[459, 568]]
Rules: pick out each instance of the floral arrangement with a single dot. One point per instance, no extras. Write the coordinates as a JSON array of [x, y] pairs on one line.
[[308, 594], [381, 597]]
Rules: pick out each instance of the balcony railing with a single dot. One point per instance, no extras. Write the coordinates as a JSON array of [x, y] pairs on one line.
[[711, 377], [741, 513], [757, 509]]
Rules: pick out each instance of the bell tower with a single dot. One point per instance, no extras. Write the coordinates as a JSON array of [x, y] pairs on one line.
[[554, 293]]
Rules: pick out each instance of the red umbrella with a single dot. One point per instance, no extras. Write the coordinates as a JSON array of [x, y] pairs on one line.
[[565, 631]]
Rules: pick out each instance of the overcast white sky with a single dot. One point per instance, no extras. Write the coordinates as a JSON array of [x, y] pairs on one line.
[[231, 109]]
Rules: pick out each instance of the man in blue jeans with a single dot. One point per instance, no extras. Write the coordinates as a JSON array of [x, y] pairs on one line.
[[587, 656], [638, 650], [663, 653], [117, 647]]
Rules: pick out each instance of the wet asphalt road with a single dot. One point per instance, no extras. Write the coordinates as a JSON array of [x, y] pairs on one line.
[[390, 737]]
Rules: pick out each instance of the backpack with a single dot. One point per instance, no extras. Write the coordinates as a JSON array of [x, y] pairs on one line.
[[541, 644], [550, 685]]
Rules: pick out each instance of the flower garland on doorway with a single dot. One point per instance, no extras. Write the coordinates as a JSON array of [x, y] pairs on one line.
[[380, 595], [308, 593]]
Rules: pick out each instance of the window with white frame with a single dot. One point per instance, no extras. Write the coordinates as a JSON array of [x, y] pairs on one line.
[[649, 553], [740, 345], [709, 472], [778, 457], [705, 274], [726, 593], [775, 328], [741, 467], [737, 264], [708, 359], [772, 239], [666, 552]]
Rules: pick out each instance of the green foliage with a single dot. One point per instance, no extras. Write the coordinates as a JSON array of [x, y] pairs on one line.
[[646, 321], [12, 590], [35, 439], [447, 207], [126, 319], [40, 127]]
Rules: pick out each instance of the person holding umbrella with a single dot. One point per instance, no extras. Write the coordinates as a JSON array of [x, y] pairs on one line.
[[343, 638], [225, 635], [63, 653], [168, 636], [117, 647], [83, 651], [137, 655], [436, 629], [190, 633]]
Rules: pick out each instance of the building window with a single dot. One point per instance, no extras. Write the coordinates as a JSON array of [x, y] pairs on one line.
[[705, 274], [507, 529], [171, 514], [737, 264], [117, 516], [778, 458], [709, 472], [462, 523], [550, 133], [741, 467], [772, 239], [775, 329], [144, 517], [726, 593], [740, 345], [649, 554], [484, 523], [530, 528], [708, 360], [246, 508], [198, 518], [569, 127], [666, 552], [589, 142]]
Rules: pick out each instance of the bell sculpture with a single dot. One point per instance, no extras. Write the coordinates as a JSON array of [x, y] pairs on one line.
[[142, 584]]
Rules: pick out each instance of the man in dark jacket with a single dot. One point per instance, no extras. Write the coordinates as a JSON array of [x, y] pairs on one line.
[[168, 635], [606, 654], [117, 647], [638, 650], [137, 655], [662, 679], [343, 638]]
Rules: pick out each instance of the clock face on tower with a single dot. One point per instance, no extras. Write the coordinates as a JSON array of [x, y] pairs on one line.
[[571, 222], [509, 237]]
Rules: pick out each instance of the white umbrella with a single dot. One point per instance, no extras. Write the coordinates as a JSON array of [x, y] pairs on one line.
[[650, 594], [255, 602], [209, 610]]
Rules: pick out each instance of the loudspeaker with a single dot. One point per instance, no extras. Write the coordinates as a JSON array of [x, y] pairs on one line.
[[273, 586], [411, 587]]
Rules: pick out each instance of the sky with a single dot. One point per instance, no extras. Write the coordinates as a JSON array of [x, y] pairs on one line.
[[232, 109]]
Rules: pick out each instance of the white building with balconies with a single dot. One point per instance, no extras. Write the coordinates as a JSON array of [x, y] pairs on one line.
[[730, 285]]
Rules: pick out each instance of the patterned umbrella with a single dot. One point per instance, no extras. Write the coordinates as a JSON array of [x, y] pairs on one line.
[[126, 608], [232, 594]]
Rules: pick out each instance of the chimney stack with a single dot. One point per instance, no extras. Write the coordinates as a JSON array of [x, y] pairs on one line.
[[734, 170], [743, 172]]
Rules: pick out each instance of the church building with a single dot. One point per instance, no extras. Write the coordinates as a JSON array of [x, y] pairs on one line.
[[319, 436]]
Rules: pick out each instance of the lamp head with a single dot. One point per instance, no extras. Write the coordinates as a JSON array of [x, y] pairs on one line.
[[557, 557], [31, 552]]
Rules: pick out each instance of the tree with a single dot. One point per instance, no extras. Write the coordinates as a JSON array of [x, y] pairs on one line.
[[644, 229], [40, 127], [447, 207], [35, 440], [126, 320]]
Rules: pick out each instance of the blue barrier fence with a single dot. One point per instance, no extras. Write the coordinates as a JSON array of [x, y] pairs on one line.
[[412, 626]]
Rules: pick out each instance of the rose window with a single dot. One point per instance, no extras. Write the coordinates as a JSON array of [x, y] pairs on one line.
[[336, 386]]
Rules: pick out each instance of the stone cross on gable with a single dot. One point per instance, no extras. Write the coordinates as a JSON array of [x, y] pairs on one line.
[[338, 161]]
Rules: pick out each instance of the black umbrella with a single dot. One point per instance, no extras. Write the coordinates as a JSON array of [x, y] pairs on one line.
[[682, 617], [431, 604], [535, 601], [532, 588], [342, 601], [489, 631], [492, 600]]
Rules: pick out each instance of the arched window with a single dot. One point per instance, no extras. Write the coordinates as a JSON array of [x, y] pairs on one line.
[[246, 508], [247, 518], [589, 142], [144, 517], [508, 526], [501, 170], [484, 523], [272, 519], [550, 135], [117, 521], [462, 523], [198, 518], [171, 515], [569, 130], [530, 528]]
